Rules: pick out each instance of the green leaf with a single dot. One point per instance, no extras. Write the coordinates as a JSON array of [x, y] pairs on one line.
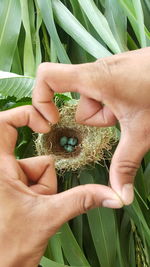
[[78, 13], [53, 52], [125, 231], [100, 24], [45, 43], [88, 244], [82, 18], [38, 52], [103, 231], [130, 11], [11, 102], [77, 222], [19, 86], [47, 15], [56, 248], [10, 14], [147, 180], [146, 11], [136, 214], [117, 22], [74, 28], [61, 99], [25, 145], [140, 18], [120, 261], [48, 263], [71, 249], [29, 62], [132, 250], [6, 103], [139, 183], [131, 43], [17, 64]]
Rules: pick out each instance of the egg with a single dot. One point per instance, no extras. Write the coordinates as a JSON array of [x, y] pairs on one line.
[[69, 148], [73, 141], [63, 141]]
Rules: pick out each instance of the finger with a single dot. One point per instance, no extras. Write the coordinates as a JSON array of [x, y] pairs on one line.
[[87, 79], [66, 205], [18, 117], [41, 172], [51, 78], [42, 99], [24, 116], [93, 113], [125, 163]]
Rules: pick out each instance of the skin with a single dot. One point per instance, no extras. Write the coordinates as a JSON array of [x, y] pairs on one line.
[[31, 210], [114, 89]]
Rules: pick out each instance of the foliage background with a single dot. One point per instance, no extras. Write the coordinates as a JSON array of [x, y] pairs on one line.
[[78, 31]]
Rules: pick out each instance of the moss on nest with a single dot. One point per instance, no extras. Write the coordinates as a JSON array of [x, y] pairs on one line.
[[92, 141]]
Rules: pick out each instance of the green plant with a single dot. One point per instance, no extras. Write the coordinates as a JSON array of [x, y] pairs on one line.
[[78, 31]]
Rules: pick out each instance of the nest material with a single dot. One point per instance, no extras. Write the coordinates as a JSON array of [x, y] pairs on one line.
[[92, 141]]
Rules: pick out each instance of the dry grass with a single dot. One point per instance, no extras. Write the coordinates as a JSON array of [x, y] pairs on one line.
[[93, 141]]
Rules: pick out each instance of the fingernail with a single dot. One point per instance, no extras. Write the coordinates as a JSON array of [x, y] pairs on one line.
[[127, 194], [112, 203]]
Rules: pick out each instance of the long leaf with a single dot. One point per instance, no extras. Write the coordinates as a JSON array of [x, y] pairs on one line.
[[48, 263], [147, 179], [56, 249], [47, 15], [136, 214], [38, 55], [146, 11], [72, 251], [29, 62], [103, 231], [140, 18], [10, 14], [100, 24], [74, 28], [18, 86], [117, 22], [129, 10], [17, 64]]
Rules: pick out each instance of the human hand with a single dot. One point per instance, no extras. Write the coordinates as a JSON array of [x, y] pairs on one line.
[[30, 209], [114, 89]]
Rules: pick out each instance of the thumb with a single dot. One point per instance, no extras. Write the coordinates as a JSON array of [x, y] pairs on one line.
[[125, 163], [95, 115], [62, 207]]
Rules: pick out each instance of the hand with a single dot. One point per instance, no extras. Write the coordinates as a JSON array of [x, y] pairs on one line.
[[115, 89], [30, 209]]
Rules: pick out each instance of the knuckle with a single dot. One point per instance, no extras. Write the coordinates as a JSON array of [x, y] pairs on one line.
[[104, 74], [127, 167], [51, 158], [42, 69], [87, 200], [48, 158], [104, 68]]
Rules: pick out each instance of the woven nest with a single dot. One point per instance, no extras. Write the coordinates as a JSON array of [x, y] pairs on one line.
[[92, 141]]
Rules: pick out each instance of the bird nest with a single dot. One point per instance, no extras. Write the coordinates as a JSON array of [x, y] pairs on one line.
[[91, 147]]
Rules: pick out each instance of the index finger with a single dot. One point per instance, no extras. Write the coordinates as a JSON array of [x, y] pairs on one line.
[[52, 78], [60, 78], [18, 117]]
